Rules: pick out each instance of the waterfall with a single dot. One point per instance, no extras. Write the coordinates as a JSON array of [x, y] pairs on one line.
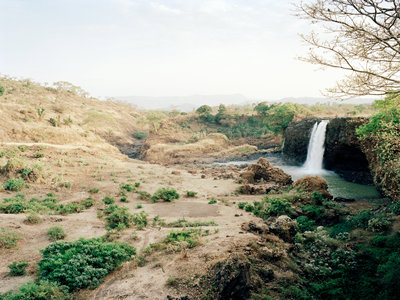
[[316, 149]]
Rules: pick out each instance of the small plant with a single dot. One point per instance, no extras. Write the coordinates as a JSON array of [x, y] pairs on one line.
[[118, 218], [38, 155], [14, 184], [129, 187], [33, 218], [1, 91], [89, 202], [38, 290], [41, 112], [56, 233], [54, 122], [140, 135], [23, 148], [165, 194], [17, 268], [66, 184], [8, 238], [140, 220], [143, 195], [139, 206], [212, 201], [191, 194], [93, 190], [124, 199], [249, 208], [241, 205], [108, 200]]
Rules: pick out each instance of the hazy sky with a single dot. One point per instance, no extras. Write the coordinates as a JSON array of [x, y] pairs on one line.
[[161, 48]]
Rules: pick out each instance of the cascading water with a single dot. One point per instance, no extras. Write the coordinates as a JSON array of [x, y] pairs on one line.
[[316, 149]]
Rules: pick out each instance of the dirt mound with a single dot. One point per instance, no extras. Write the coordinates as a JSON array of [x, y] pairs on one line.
[[313, 183], [263, 172]]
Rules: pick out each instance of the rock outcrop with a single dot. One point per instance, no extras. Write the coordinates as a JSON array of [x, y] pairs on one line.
[[262, 177], [313, 183], [343, 152]]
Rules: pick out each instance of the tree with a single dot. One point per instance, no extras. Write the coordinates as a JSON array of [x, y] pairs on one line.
[[360, 36], [262, 108], [204, 109]]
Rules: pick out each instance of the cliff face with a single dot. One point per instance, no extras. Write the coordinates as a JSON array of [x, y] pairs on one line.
[[343, 153], [296, 138]]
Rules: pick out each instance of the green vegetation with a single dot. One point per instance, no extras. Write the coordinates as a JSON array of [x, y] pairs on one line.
[[93, 190], [190, 194], [212, 201], [1, 91], [33, 218], [14, 184], [17, 268], [38, 155], [269, 206], [56, 233], [83, 263], [165, 194], [108, 200], [38, 291], [186, 223], [118, 217], [8, 238], [140, 134]]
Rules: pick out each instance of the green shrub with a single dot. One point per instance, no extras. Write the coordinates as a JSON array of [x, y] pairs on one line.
[[204, 109], [17, 268], [69, 208], [118, 218], [314, 212], [14, 184], [212, 201], [130, 187], [38, 155], [140, 220], [143, 195], [56, 233], [123, 199], [305, 224], [93, 190], [241, 205], [395, 208], [277, 206], [108, 200], [23, 148], [184, 238], [165, 194], [8, 238], [190, 194], [40, 290], [139, 206], [33, 218], [89, 202], [66, 184], [1, 91], [82, 263], [249, 208], [140, 135]]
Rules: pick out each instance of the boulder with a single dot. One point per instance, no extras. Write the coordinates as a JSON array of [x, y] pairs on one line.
[[313, 183], [263, 172], [283, 226]]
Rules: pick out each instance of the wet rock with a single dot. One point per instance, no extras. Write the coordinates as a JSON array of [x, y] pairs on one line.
[[341, 199]]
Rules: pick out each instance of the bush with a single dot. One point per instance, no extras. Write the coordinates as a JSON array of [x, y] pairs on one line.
[[165, 194], [278, 206], [93, 190], [130, 187], [204, 109], [89, 202], [305, 224], [1, 91], [14, 184], [17, 268], [118, 218], [82, 263], [33, 218], [140, 220], [108, 200], [140, 135], [241, 205], [212, 201], [40, 290], [190, 194], [56, 233], [38, 155], [143, 195], [8, 238]]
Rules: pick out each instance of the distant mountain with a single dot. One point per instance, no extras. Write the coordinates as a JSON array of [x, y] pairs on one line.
[[183, 103], [189, 103]]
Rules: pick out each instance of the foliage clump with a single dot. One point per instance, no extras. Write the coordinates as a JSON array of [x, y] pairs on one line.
[[165, 194], [56, 233], [39, 290], [8, 238], [17, 268], [82, 263]]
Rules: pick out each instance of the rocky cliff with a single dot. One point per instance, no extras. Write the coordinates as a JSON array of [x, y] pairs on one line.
[[343, 153]]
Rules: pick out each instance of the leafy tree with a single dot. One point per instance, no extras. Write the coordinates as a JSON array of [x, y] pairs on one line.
[[262, 108], [204, 109], [360, 36]]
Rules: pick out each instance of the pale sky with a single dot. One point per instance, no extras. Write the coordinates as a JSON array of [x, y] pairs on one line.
[[161, 48]]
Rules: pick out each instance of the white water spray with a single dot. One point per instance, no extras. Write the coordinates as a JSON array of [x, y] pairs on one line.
[[316, 149]]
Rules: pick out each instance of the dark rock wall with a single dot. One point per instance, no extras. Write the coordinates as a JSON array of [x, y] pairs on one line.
[[343, 153], [296, 138]]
